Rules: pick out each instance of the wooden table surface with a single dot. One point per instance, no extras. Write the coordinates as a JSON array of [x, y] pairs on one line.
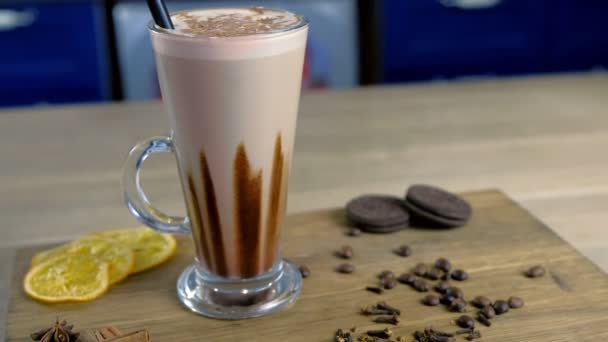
[[542, 140]]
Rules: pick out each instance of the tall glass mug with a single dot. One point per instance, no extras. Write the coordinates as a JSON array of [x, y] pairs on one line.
[[232, 101]]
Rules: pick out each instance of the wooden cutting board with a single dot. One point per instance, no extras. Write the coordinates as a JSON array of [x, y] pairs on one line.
[[570, 303]]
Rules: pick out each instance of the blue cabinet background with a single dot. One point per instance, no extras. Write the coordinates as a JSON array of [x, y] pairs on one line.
[[436, 39], [52, 52], [60, 51]]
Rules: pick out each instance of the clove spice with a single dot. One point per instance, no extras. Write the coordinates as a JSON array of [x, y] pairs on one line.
[[384, 333], [394, 320]]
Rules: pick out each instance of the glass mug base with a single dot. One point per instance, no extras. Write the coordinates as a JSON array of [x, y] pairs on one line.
[[221, 298]]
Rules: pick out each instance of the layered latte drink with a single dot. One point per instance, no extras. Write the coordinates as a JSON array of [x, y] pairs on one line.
[[230, 79]]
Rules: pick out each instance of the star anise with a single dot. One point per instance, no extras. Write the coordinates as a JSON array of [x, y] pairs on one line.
[[59, 332]]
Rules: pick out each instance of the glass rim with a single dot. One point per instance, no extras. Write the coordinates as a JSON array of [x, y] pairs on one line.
[[152, 27]]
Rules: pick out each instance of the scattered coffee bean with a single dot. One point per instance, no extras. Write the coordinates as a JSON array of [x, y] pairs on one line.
[[420, 285], [374, 289], [460, 275], [304, 271], [346, 252], [407, 278], [446, 276], [385, 306], [420, 270], [515, 302], [454, 291], [394, 320], [374, 310], [481, 318], [442, 287], [443, 264], [403, 251], [500, 307], [430, 300], [458, 305], [481, 301], [535, 271], [386, 274], [345, 268], [354, 232], [385, 333], [434, 274], [388, 283], [447, 299], [465, 321], [488, 311]]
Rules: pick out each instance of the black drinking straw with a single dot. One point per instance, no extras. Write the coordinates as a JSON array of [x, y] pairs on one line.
[[160, 14]]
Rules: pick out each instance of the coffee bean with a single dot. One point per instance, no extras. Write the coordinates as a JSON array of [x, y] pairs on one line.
[[442, 287], [460, 275], [481, 318], [454, 291], [403, 251], [458, 305], [407, 278], [430, 300], [345, 268], [443, 264], [304, 271], [346, 252], [447, 299], [481, 301], [386, 274], [488, 311], [446, 276], [388, 283], [433, 274], [535, 271], [420, 269], [420, 285], [374, 289], [500, 307], [515, 302], [465, 321], [354, 232]]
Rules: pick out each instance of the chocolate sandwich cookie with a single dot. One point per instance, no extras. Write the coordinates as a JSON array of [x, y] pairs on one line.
[[437, 206], [377, 213]]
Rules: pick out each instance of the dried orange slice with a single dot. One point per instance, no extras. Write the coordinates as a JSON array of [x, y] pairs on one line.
[[150, 248], [118, 255], [68, 277]]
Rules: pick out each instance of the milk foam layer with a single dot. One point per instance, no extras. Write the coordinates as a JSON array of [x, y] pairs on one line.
[[286, 34], [233, 22]]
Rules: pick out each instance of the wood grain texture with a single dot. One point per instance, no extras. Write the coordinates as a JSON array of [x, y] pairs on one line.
[[540, 139], [500, 242]]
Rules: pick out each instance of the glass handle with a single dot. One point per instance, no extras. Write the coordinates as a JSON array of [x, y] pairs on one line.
[[136, 199]]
